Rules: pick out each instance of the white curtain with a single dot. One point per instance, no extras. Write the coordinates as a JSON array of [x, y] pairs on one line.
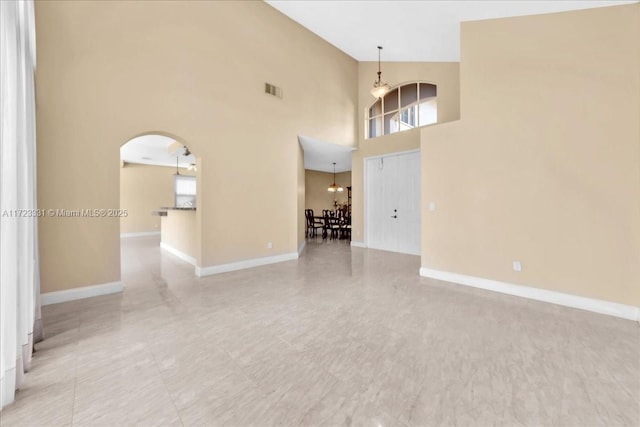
[[20, 324]]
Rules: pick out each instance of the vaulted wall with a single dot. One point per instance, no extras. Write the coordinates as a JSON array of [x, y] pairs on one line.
[[544, 165], [109, 71]]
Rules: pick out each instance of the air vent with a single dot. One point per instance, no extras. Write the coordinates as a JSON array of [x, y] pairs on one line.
[[273, 90]]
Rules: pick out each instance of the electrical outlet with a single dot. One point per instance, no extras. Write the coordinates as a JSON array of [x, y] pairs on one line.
[[269, 245], [517, 266]]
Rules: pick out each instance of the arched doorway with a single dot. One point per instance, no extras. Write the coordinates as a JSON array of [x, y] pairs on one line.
[[158, 198]]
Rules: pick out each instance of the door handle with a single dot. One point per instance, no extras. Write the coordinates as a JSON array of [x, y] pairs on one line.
[[394, 216]]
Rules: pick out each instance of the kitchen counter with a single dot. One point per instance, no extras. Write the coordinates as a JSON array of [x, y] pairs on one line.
[[178, 232], [162, 211], [179, 208]]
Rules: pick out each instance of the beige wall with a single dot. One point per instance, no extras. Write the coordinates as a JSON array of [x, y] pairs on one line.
[[109, 71], [179, 231], [544, 166], [317, 197], [301, 191], [443, 74], [144, 189]]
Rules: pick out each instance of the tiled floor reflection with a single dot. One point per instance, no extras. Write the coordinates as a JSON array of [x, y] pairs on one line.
[[343, 336]]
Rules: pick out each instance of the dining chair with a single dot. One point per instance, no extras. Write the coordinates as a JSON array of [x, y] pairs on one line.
[[313, 223], [331, 224]]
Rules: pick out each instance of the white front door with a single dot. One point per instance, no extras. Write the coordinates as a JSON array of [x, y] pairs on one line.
[[392, 194]]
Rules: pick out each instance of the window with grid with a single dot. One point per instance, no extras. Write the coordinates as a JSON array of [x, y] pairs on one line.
[[403, 108], [185, 191]]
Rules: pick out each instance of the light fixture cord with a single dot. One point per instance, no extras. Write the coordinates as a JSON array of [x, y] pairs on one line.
[[379, 72]]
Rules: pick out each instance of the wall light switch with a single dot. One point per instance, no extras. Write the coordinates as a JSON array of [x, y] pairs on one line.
[[432, 206], [269, 245], [517, 266]]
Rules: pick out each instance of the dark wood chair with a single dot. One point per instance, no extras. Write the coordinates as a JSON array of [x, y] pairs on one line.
[[331, 224], [313, 223], [325, 228], [344, 220]]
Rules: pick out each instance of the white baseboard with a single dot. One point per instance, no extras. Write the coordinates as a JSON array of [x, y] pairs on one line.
[[188, 258], [589, 304], [141, 234], [81, 293], [302, 247], [358, 244], [241, 265]]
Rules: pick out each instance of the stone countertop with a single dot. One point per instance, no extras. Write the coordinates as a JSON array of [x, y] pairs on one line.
[[162, 211], [178, 208]]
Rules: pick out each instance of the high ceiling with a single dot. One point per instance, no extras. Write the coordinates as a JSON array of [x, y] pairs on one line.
[[409, 30]]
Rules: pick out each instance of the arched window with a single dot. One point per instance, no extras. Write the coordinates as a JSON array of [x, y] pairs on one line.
[[402, 108]]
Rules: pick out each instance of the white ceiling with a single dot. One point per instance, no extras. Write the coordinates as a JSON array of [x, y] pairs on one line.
[[320, 155], [409, 30], [154, 150]]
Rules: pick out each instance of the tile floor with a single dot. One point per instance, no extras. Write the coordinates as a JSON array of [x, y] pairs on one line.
[[340, 337]]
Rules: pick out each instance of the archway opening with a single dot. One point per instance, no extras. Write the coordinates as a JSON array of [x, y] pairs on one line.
[[158, 198]]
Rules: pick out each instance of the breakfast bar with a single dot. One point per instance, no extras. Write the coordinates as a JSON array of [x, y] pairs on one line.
[[178, 232]]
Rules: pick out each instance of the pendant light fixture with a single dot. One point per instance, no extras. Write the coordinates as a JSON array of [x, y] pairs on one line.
[[333, 187], [380, 88]]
